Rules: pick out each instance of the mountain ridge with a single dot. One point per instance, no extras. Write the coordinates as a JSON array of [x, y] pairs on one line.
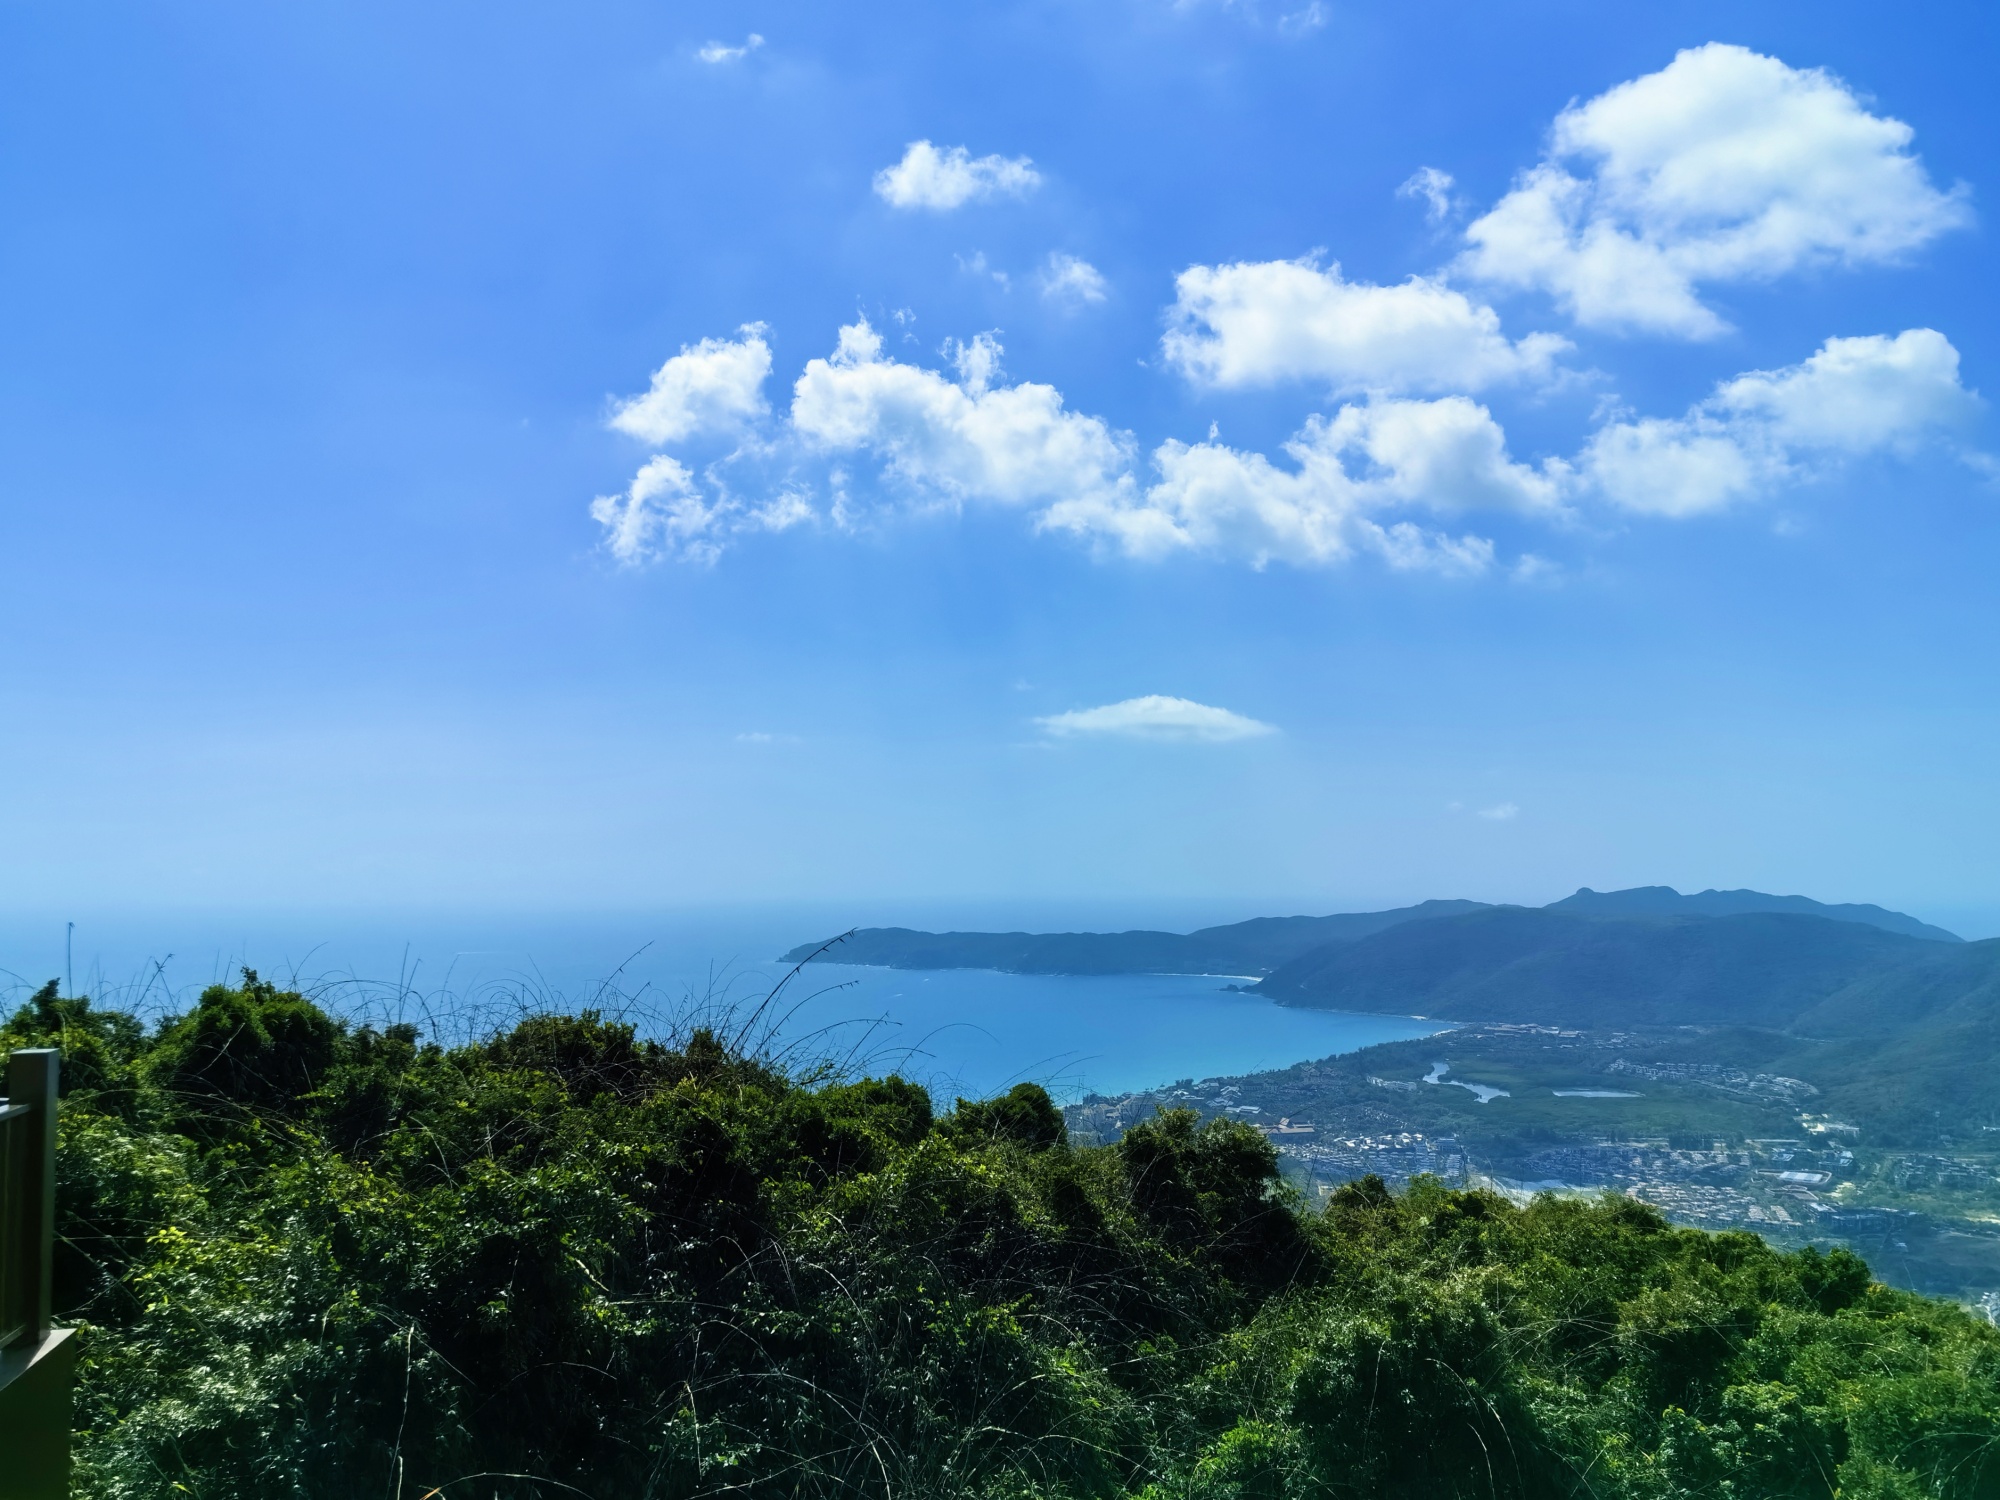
[[1663, 900], [1261, 946], [1563, 967], [1242, 949]]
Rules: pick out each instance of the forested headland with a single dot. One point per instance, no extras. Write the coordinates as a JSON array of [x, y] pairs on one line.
[[319, 1259]]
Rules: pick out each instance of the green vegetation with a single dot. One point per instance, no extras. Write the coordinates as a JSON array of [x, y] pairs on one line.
[[1254, 947], [320, 1260], [1563, 968], [1665, 901], [1503, 1135], [1897, 1033], [1267, 943], [1802, 1140]]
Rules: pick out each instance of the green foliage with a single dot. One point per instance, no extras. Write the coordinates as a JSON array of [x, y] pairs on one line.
[[321, 1261], [242, 1050], [98, 1046], [1024, 1114]]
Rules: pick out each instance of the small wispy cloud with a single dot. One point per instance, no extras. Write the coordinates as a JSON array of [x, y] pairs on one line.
[[1306, 19], [940, 180], [763, 737], [715, 53], [976, 264], [1157, 717], [1434, 187], [1504, 812], [1290, 21], [1072, 280]]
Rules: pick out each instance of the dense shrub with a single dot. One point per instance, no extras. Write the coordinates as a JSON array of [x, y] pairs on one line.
[[321, 1261]]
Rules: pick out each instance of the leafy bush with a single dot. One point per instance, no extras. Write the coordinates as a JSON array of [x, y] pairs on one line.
[[315, 1260]]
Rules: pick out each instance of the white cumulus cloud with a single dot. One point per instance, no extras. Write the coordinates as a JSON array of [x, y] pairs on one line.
[[975, 439], [711, 388], [1260, 322], [716, 53], [1504, 812], [716, 385], [1724, 166], [1068, 279], [1855, 396], [1393, 477], [1443, 455], [1157, 717], [928, 177], [967, 439]]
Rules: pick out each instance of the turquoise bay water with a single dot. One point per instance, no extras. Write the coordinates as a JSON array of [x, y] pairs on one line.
[[973, 1031], [959, 1031]]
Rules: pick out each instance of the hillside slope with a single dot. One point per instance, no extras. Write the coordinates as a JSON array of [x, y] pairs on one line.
[[1665, 901], [1913, 1049], [1264, 944], [1254, 947], [1554, 967]]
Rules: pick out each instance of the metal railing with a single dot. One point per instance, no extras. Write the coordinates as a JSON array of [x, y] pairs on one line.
[[27, 1195], [16, 1309], [37, 1362]]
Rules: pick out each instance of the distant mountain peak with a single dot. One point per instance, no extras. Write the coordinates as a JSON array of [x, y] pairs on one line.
[[1665, 901]]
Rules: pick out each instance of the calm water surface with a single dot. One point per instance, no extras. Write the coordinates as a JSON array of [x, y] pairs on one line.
[[959, 1031], [975, 1031]]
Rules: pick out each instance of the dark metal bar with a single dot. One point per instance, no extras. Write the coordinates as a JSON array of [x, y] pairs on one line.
[[14, 1301], [33, 1079], [37, 1361]]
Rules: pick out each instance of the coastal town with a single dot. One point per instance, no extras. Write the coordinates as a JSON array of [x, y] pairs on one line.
[[1928, 1219]]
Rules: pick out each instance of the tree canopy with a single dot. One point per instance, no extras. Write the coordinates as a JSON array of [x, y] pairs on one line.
[[316, 1259]]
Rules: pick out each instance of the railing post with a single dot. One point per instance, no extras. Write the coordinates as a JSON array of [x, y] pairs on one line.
[[36, 1369], [33, 1079]]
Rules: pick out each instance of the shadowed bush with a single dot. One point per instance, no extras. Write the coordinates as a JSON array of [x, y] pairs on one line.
[[1024, 1114]]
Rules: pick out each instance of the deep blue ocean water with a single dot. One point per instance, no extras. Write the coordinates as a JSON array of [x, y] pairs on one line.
[[969, 1032]]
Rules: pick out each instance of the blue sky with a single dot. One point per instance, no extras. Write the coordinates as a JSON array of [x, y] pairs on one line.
[[617, 456]]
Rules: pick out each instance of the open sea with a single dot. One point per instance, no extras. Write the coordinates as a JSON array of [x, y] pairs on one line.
[[961, 1031]]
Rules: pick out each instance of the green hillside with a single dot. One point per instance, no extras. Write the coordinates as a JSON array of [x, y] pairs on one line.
[[1243, 948], [320, 1262], [1552, 967], [1913, 1049], [1259, 946], [1898, 1033], [1665, 901]]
